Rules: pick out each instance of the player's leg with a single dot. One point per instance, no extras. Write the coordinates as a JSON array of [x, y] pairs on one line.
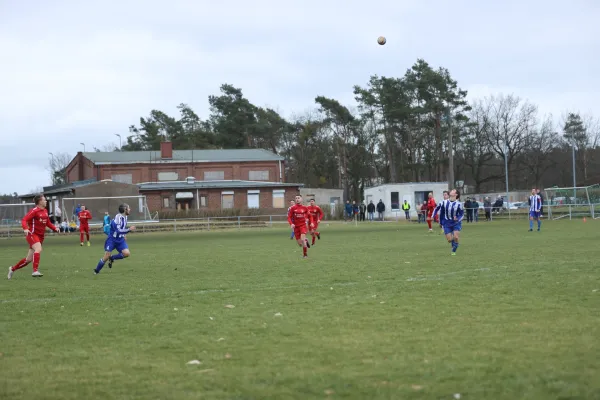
[[292, 235], [109, 246], [317, 231], [456, 239], [531, 221], [123, 252], [87, 235], [37, 254], [539, 222], [313, 235], [81, 231], [22, 263], [304, 243]]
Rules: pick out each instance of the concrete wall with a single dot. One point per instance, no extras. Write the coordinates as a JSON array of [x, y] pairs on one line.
[[323, 196], [414, 193]]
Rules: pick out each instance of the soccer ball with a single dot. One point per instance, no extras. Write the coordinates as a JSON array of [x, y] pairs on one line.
[[381, 40]]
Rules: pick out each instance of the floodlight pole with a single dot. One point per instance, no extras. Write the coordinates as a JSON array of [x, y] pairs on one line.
[[574, 175], [450, 153], [506, 172]]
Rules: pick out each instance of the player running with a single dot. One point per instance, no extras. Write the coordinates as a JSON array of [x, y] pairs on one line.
[[34, 227], [84, 224], [535, 206], [116, 239], [452, 216], [298, 218], [317, 215], [431, 205]]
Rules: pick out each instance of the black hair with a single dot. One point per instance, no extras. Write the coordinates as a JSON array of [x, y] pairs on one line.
[[37, 198], [123, 207]]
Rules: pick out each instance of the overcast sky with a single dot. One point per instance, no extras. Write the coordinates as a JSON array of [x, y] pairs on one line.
[[76, 71]]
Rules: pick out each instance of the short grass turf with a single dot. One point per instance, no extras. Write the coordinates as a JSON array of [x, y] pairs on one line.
[[378, 311]]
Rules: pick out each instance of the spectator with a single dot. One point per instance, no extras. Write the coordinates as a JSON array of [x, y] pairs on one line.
[[380, 209], [362, 209], [475, 206], [348, 210], [58, 214], [371, 210], [406, 209], [355, 210], [64, 227], [469, 209], [487, 206], [423, 212]]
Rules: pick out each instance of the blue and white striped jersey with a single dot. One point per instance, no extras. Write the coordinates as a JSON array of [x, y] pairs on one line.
[[451, 209], [535, 202], [439, 209], [118, 227]]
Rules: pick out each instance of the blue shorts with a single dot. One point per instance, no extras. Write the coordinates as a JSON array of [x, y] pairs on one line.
[[115, 244], [534, 214], [452, 226]]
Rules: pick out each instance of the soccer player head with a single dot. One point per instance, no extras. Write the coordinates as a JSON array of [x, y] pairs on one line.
[[446, 194], [454, 195], [430, 195], [124, 209], [40, 201], [292, 202], [312, 202], [82, 207], [298, 199], [534, 191]]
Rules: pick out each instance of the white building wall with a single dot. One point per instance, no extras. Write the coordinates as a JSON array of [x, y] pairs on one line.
[[405, 191], [322, 196]]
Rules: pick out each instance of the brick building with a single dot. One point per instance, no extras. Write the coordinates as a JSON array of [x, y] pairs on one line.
[[168, 165], [189, 179]]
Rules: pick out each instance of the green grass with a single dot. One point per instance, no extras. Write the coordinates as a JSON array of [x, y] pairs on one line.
[[377, 311]]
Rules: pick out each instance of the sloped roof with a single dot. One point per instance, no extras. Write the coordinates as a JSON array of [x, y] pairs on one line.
[[227, 155], [217, 184]]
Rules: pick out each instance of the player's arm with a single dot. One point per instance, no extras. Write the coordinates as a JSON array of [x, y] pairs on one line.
[[436, 210], [290, 218], [460, 212], [311, 220], [118, 228], [50, 225], [27, 221], [320, 213]]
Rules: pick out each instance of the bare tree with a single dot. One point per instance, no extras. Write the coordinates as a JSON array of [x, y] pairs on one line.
[[540, 144], [57, 166], [509, 123]]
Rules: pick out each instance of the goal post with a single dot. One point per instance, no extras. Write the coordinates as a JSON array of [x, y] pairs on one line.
[[11, 216], [98, 206], [572, 201]]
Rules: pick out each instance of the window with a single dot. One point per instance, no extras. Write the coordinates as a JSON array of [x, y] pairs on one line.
[[395, 200], [168, 176], [122, 178], [214, 175], [253, 198], [258, 175], [165, 202], [227, 200], [278, 198], [203, 200]]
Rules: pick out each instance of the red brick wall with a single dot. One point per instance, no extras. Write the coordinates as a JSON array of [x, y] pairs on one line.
[[240, 198], [80, 169]]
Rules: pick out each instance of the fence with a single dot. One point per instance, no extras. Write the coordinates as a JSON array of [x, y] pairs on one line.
[[551, 212]]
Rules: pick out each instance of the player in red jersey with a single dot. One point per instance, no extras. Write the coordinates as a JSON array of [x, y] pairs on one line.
[[298, 218], [317, 215], [431, 205], [34, 227], [84, 225]]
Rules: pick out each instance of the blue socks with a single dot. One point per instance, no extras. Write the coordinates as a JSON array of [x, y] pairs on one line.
[[530, 224], [292, 235], [117, 257], [454, 246], [99, 266], [539, 224]]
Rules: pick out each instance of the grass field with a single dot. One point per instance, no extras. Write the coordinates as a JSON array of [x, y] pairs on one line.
[[377, 311]]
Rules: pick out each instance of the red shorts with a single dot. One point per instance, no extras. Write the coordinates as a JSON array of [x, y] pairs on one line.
[[429, 214], [32, 239], [84, 228], [315, 227], [299, 231]]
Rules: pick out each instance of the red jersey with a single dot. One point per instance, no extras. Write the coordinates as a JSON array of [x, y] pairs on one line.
[[84, 217], [431, 205], [36, 221], [316, 212], [299, 216]]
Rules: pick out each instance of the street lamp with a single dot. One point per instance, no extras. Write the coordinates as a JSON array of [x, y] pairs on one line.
[[450, 153], [120, 145], [574, 173], [83, 144], [506, 172]]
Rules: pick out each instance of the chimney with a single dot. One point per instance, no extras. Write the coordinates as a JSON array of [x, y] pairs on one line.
[[166, 150]]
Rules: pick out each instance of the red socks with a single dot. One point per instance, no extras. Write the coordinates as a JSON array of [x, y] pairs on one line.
[[36, 261], [313, 238], [87, 235], [429, 224], [81, 237], [20, 264]]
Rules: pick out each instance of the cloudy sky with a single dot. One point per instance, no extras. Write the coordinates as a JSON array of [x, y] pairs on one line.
[[76, 72]]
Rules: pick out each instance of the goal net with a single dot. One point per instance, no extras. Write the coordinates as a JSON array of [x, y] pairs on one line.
[[98, 206], [572, 202], [10, 218]]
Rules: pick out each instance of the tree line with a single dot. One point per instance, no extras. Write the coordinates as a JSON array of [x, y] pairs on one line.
[[399, 132]]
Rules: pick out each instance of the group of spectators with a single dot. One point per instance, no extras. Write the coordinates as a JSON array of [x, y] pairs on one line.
[[359, 212]]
